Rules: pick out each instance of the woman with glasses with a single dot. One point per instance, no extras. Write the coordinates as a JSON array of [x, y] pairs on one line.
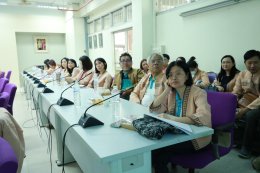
[[128, 76], [183, 102], [228, 73]]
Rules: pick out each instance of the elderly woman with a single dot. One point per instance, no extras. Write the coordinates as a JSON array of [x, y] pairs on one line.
[[148, 87], [183, 102]]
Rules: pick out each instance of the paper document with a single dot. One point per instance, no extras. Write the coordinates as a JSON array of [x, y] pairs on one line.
[[184, 127]]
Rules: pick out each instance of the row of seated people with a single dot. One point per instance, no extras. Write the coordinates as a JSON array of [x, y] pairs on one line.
[[174, 91]]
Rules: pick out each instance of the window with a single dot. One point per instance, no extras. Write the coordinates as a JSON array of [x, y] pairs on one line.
[[122, 43], [129, 13], [90, 42], [91, 28], [106, 21], [118, 16], [98, 26], [95, 41], [100, 40]]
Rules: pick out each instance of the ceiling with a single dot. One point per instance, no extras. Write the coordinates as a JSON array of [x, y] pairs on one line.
[[58, 4]]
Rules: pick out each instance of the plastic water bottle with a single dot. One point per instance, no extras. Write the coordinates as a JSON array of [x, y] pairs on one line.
[[95, 82], [76, 94], [115, 104]]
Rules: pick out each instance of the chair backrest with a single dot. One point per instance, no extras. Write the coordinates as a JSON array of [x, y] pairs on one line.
[[8, 159], [8, 75], [212, 76], [3, 82], [2, 74], [11, 89], [223, 108], [4, 99]]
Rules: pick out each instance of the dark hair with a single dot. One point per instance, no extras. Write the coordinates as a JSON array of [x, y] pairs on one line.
[[166, 56], [46, 62], [67, 59], [233, 70], [52, 62], [125, 54], [181, 59], [251, 53], [184, 67], [192, 63], [143, 60], [74, 62], [86, 63], [101, 60]]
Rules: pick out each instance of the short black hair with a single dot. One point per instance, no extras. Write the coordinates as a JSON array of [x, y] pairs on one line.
[[125, 54], [46, 62], [67, 59], [86, 63], [166, 56], [251, 53], [101, 60], [181, 58], [185, 68], [192, 63]]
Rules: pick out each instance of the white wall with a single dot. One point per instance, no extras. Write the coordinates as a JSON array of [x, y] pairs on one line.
[[27, 55], [210, 35], [21, 20]]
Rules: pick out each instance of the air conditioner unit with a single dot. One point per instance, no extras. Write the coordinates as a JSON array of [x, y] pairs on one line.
[[211, 7]]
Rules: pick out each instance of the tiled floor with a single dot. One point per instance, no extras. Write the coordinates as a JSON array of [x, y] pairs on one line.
[[38, 159]]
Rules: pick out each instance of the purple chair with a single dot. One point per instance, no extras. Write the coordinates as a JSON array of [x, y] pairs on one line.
[[3, 82], [4, 98], [212, 76], [8, 159], [2, 74], [11, 89], [223, 108], [8, 75]]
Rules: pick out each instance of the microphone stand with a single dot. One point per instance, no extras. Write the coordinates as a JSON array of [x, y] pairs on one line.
[[86, 120], [65, 102], [41, 85], [48, 90]]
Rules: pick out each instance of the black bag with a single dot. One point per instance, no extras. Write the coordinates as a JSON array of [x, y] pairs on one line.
[[152, 128]]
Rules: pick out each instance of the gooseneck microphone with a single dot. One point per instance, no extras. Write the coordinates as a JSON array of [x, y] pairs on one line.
[[86, 120], [48, 90], [65, 102], [41, 85]]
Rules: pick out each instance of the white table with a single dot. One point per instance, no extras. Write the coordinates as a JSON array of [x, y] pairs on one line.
[[102, 149]]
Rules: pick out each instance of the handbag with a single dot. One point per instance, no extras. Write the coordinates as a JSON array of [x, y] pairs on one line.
[[151, 128], [246, 99]]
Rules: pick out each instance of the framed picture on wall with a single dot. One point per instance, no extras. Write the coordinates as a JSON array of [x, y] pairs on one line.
[[90, 42], [40, 44], [100, 40], [95, 41]]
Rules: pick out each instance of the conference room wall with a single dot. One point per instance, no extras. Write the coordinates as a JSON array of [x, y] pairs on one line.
[[27, 55], [141, 25], [210, 35], [24, 20]]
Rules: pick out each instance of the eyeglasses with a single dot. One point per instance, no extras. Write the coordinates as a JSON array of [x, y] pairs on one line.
[[158, 61], [125, 61]]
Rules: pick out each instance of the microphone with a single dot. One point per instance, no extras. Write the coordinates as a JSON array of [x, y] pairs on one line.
[[40, 85], [86, 120], [48, 90], [65, 102]]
